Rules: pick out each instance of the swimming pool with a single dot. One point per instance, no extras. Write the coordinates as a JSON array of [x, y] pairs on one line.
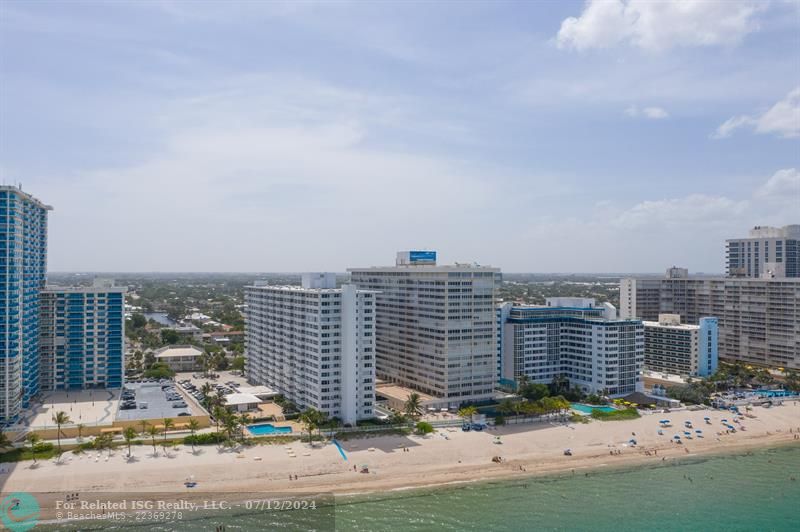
[[266, 429], [587, 409], [774, 393]]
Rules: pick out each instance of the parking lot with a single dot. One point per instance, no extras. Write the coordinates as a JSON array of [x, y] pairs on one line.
[[192, 384], [152, 402]]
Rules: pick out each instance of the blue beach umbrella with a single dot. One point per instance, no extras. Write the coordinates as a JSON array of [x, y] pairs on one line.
[[677, 437], [699, 431]]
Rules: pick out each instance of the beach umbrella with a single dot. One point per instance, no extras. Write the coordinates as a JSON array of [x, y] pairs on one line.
[[706, 418], [687, 433], [677, 437]]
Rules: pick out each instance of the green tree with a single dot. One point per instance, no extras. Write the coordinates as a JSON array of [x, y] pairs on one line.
[[153, 432], [467, 412], [33, 440], [311, 419], [533, 391], [138, 321], [168, 425], [412, 405], [159, 370], [170, 337], [237, 364], [80, 428], [60, 419], [4, 441], [423, 427], [129, 434], [193, 426]]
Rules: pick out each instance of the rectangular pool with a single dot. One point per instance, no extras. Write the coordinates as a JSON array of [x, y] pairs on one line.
[[587, 409], [266, 429]]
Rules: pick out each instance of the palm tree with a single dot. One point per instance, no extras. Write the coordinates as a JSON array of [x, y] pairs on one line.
[[206, 391], [231, 423], [244, 420], [144, 424], [310, 418], [168, 425], [33, 440], [219, 415], [60, 418], [152, 431], [80, 428], [129, 434], [193, 426], [398, 418], [467, 412], [412, 405]]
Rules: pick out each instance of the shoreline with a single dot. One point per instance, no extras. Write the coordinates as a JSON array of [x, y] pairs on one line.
[[402, 463]]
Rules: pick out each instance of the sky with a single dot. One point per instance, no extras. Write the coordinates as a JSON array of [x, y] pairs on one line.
[[599, 136]]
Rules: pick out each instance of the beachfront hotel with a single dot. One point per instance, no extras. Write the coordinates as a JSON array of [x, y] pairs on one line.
[[23, 267], [314, 344], [82, 337], [681, 349], [436, 328], [576, 339], [759, 318]]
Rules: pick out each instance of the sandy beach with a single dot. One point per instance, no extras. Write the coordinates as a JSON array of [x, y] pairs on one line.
[[448, 456]]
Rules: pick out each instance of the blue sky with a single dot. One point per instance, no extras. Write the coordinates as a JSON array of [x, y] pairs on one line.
[[619, 136]]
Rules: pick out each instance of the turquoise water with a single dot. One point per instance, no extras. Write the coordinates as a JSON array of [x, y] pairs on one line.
[[747, 492], [266, 429], [774, 393], [341, 451], [586, 409]]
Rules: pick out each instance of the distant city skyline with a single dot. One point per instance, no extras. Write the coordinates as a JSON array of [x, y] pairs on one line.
[[621, 136]]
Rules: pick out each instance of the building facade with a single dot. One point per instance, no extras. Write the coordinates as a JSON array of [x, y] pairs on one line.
[[681, 349], [577, 340], [23, 268], [759, 319], [436, 328], [82, 337], [766, 252], [180, 358], [314, 344]]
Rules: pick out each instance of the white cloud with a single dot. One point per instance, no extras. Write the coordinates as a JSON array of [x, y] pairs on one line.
[[658, 25], [782, 119], [695, 208], [784, 185], [654, 113]]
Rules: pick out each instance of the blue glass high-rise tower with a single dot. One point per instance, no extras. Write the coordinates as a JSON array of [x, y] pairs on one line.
[[23, 269]]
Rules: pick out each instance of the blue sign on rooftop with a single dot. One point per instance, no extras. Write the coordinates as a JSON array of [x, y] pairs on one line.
[[422, 256]]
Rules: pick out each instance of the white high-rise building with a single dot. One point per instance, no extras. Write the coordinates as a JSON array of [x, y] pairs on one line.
[[766, 252], [436, 326], [575, 339], [314, 344]]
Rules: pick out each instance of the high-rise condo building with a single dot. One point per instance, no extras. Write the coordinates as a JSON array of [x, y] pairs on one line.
[[679, 348], [314, 344], [766, 252], [23, 267], [576, 339], [436, 329], [82, 337], [759, 319]]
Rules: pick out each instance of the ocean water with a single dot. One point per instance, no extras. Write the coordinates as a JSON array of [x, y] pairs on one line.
[[747, 492]]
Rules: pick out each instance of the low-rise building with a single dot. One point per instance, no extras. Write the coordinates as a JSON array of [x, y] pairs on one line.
[[679, 348], [180, 357]]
